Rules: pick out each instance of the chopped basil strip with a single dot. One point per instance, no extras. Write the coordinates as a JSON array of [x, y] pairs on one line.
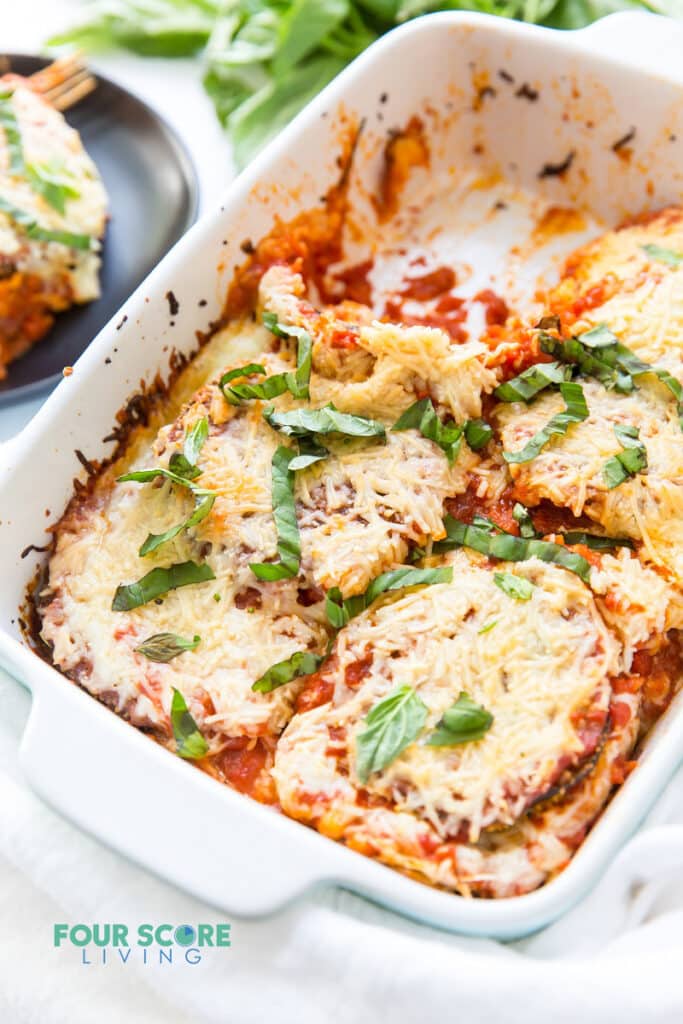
[[521, 516], [595, 542], [488, 627], [33, 230], [182, 471], [309, 452], [307, 423], [478, 433], [575, 411], [190, 742], [10, 126], [296, 382], [532, 381], [514, 586], [284, 514], [662, 255], [422, 416], [184, 463], [391, 726], [164, 647], [339, 610], [302, 663], [509, 548], [157, 583], [598, 353], [632, 460], [203, 504], [464, 722], [299, 381], [53, 184]]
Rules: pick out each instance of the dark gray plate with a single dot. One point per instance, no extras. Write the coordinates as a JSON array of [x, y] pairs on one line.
[[152, 187]]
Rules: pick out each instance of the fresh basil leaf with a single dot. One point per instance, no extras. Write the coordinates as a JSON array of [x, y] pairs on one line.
[[509, 548], [576, 410], [163, 647], [301, 663], [158, 582], [422, 416], [488, 627], [464, 722], [327, 420], [203, 504], [632, 460], [391, 726], [339, 610], [531, 382], [284, 514], [662, 255], [478, 433], [522, 517], [296, 382], [189, 741], [517, 587]]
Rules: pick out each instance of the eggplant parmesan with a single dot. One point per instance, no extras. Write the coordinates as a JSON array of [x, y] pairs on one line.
[[52, 218], [358, 570]]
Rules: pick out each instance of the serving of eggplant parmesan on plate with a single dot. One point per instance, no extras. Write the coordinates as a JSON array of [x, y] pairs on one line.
[[53, 214], [406, 567]]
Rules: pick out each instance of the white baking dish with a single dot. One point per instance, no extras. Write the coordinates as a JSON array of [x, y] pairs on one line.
[[92, 766]]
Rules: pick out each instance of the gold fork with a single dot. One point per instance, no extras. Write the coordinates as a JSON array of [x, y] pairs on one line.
[[64, 82]]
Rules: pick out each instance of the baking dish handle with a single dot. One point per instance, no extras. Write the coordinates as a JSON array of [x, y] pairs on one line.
[[118, 784], [647, 41]]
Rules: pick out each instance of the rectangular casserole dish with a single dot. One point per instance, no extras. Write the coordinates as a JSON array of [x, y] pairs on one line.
[[91, 765]]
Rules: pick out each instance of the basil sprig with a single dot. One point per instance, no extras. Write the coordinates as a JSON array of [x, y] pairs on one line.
[[516, 587], [391, 726], [284, 514], [599, 353], [301, 663], [532, 381], [158, 582], [663, 255], [339, 610], [464, 722], [422, 416], [189, 741], [296, 382], [632, 460], [163, 647], [575, 411], [307, 423], [509, 548], [33, 230]]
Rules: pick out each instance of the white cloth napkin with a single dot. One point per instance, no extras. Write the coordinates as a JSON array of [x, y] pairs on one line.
[[332, 958]]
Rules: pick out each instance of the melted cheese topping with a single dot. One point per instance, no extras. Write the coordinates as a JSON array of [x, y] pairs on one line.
[[538, 670], [49, 142], [568, 471], [643, 296]]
